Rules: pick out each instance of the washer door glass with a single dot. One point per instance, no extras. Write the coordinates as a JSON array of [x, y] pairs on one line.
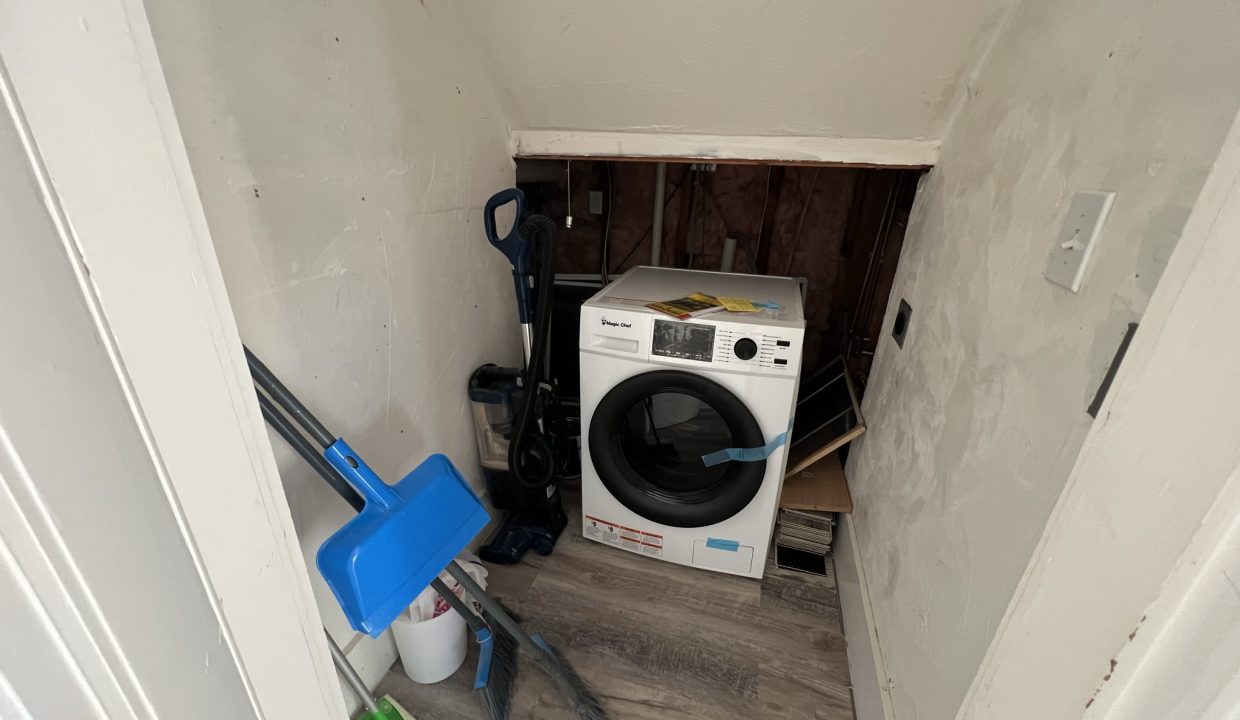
[[648, 436], [664, 436]]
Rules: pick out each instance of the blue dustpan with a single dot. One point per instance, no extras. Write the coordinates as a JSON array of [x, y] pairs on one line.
[[404, 536]]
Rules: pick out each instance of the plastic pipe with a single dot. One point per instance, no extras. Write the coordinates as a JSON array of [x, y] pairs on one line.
[[729, 254], [656, 234]]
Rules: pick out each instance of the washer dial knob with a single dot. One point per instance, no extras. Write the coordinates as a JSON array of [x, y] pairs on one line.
[[745, 349]]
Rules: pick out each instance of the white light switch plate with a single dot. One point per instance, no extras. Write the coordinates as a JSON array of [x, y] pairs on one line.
[[1086, 214]]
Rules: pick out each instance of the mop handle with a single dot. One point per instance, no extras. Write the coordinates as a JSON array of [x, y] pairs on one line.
[[351, 676]]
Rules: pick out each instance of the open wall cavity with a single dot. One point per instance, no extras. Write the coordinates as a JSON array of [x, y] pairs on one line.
[[839, 228]]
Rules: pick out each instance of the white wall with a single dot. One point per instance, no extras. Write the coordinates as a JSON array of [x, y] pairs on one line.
[[1151, 617], [1128, 608], [977, 422], [343, 151], [850, 69]]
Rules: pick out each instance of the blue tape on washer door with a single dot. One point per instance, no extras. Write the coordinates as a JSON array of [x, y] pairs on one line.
[[729, 545], [744, 454]]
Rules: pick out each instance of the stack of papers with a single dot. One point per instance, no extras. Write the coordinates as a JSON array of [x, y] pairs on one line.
[[807, 531], [696, 304]]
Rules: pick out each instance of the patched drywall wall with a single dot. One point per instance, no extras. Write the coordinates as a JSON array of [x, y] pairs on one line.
[[803, 68], [343, 151], [976, 423]]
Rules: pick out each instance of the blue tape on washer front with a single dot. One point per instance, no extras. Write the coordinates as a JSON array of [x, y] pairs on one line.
[[729, 545], [745, 454]]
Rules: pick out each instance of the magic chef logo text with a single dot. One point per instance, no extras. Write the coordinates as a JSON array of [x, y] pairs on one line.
[[609, 323]]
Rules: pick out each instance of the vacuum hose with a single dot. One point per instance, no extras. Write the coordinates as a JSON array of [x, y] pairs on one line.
[[531, 456]]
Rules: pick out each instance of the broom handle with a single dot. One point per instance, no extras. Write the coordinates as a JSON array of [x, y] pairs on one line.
[[281, 395], [462, 608], [351, 676], [493, 608], [302, 446], [269, 382]]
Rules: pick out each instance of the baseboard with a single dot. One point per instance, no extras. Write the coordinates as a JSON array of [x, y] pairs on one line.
[[871, 700]]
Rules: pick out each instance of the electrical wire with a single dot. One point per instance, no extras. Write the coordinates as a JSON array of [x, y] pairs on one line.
[[796, 236], [568, 193], [753, 267], [611, 204], [642, 239]]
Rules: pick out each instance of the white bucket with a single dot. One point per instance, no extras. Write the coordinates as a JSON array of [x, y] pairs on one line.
[[431, 650]]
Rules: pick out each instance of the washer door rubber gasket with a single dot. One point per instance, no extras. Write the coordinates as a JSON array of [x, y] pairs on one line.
[[733, 491]]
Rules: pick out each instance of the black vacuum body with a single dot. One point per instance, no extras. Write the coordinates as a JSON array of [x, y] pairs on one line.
[[524, 436]]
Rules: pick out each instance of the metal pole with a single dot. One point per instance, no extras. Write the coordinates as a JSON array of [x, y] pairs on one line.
[[267, 380], [351, 676], [729, 254], [656, 234]]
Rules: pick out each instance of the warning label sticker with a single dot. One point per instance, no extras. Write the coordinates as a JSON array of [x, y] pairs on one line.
[[632, 539]]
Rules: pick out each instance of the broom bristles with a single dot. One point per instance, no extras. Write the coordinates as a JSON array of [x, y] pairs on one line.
[[497, 690], [574, 689]]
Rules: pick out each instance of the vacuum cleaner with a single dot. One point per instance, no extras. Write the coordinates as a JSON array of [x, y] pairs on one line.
[[523, 440]]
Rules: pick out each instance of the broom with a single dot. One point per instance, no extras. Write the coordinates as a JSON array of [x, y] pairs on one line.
[[575, 691], [497, 663], [497, 656]]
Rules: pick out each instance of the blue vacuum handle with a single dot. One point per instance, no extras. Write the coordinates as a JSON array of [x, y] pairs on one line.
[[516, 248]]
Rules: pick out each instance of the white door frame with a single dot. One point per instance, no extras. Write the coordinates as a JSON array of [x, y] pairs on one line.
[[105, 609], [88, 80]]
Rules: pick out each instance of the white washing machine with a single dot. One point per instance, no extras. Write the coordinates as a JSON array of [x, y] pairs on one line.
[[665, 401]]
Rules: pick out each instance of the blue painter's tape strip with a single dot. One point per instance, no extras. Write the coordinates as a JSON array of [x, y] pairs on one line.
[[729, 545], [745, 454]]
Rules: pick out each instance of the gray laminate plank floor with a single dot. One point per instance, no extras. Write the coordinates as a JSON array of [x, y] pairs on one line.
[[658, 641]]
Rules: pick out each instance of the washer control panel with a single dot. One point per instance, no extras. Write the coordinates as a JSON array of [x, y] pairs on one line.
[[745, 349], [736, 345], [727, 344], [684, 340]]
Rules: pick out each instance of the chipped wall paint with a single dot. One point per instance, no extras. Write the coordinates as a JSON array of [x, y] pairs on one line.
[[343, 151], [976, 423], [846, 69]]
